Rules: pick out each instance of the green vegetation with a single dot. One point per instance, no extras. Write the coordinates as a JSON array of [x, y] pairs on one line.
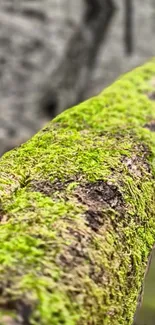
[[77, 211]]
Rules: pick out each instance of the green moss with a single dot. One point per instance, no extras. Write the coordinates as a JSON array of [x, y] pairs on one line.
[[53, 259]]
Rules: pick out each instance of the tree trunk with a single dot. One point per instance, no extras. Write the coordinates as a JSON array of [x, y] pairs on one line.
[[77, 211]]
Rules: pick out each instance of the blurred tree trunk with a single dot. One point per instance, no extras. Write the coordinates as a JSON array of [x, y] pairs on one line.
[[47, 53]]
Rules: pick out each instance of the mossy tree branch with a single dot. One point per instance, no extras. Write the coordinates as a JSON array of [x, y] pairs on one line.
[[77, 211]]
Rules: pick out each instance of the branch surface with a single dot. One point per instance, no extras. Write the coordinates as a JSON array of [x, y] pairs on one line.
[[77, 211]]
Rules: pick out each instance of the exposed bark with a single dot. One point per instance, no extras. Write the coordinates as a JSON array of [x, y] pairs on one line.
[[77, 211]]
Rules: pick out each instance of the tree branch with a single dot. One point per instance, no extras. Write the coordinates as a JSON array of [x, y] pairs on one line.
[[77, 211]]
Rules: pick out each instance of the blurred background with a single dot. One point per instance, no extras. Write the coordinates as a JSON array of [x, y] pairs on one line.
[[146, 314], [57, 53]]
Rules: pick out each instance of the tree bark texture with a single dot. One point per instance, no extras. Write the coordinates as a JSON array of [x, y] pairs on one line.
[[77, 211]]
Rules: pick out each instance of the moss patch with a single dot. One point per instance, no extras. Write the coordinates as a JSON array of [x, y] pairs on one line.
[[77, 211]]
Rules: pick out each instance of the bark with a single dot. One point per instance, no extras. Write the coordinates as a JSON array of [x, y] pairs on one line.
[[77, 211]]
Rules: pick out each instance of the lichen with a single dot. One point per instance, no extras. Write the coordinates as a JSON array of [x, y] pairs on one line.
[[77, 211]]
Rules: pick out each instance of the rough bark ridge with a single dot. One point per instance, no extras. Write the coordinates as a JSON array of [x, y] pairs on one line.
[[77, 211]]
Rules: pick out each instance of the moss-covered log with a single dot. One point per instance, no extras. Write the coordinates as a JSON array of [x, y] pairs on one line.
[[77, 211]]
